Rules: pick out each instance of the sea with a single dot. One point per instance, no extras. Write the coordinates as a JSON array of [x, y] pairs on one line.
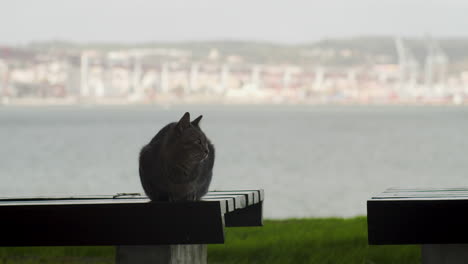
[[312, 161]]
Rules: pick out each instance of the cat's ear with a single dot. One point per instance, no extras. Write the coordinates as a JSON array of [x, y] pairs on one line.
[[196, 121], [184, 122]]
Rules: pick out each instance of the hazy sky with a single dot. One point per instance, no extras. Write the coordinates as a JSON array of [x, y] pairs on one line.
[[287, 21]]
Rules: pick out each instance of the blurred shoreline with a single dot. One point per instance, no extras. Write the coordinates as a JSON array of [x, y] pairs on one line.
[[375, 71]]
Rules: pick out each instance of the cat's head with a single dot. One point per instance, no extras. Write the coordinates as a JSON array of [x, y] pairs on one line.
[[190, 139]]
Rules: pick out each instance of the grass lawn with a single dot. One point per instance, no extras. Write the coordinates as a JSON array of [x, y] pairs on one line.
[[327, 240], [321, 240]]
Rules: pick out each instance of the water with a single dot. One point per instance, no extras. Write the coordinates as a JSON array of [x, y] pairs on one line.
[[311, 160]]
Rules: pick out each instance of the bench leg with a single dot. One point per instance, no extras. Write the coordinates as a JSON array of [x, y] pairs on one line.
[[163, 254], [444, 253]]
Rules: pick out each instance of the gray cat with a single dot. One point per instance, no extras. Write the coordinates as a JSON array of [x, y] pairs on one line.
[[177, 164]]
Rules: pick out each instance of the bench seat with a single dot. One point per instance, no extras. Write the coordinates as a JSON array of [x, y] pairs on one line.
[[435, 218], [125, 219], [418, 216]]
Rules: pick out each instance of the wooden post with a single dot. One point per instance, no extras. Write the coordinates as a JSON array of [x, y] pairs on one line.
[[162, 254], [444, 253]]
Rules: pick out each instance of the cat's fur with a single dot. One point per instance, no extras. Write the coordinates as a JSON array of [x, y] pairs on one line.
[[177, 164]]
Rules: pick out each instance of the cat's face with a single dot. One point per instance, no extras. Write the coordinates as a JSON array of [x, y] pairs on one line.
[[190, 139]]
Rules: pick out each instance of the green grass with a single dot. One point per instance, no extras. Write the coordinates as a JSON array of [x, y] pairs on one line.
[[324, 241], [52, 255], [327, 240]]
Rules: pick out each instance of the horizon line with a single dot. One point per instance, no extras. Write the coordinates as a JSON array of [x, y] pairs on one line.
[[229, 40]]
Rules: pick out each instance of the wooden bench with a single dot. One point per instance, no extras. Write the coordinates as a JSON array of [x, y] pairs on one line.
[[143, 231], [435, 218]]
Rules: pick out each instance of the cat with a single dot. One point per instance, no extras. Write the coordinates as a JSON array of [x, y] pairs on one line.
[[177, 164]]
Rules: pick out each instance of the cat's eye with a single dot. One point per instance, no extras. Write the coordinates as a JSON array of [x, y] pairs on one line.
[[198, 141]]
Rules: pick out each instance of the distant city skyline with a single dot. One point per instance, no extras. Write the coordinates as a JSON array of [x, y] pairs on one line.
[[288, 22]]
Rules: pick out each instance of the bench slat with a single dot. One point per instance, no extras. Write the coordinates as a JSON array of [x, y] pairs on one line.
[[251, 196], [259, 193], [239, 200]]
